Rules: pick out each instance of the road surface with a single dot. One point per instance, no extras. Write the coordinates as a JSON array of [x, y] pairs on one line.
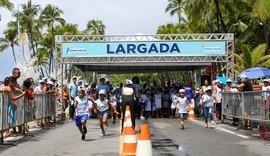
[[167, 139]]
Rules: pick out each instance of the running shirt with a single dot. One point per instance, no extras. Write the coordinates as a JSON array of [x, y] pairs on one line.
[[102, 105], [128, 91], [182, 105], [210, 100], [113, 100], [82, 106], [158, 100], [174, 99], [143, 98]]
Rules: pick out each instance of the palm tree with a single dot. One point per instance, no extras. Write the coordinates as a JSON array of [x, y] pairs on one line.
[[28, 15], [176, 7], [49, 16], [6, 4], [10, 40], [250, 59], [95, 27]]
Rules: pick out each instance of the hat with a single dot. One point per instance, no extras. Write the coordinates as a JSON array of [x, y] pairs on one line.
[[44, 78], [81, 88], [229, 80], [86, 84], [102, 92], [80, 81], [50, 82], [208, 89], [182, 91], [74, 77], [129, 82], [217, 81], [266, 80], [41, 81], [198, 89], [243, 76]]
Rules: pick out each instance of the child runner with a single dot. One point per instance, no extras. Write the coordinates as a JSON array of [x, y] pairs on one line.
[[148, 106], [182, 105], [208, 103], [173, 99], [143, 99], [113, 103], [158, 101], [102, 108], [82, 111]]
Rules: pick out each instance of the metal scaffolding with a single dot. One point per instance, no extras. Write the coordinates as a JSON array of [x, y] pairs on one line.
[[113, 61]]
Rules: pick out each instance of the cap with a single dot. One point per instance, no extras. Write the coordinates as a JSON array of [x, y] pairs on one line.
[[102, 92], [44, 78], [129, 82], [243, 76], [266, 80], [229, 80], [80, 81], [50, 82], [182, 91], [74, 77], [81, 88], [208, 89], [41, 81], [217, 81], [86, 84], [198, 89]]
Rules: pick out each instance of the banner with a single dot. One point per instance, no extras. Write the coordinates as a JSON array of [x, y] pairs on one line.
[[143, 48]]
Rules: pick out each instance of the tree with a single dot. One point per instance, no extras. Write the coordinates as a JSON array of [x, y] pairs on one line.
[[49, 16], [95, 27], [6, 4], [10, 40], [176, 7], [250, 59], [28, 18]]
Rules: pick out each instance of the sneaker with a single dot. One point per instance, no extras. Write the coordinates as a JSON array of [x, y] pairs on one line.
[[102, 133], [213, 121], [84, 129], [83, 137], [206, 125], [182, 128]]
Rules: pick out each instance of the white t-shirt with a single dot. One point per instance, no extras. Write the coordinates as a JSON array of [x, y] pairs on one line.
[[174, 99], [113, 100], [128, 90], [102, 105], [82, 106], [265, 88], [210, 100], [218, 94], [148, 104], [39, 90], [158, 100], [182, 105], [143, 98]]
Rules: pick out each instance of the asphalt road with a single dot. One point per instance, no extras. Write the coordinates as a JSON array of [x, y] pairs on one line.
[[167, 139]]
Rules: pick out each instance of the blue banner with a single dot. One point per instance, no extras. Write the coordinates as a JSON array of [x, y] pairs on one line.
[[146, 48]]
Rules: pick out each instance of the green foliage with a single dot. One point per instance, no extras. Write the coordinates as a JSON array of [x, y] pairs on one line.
[[95, 27]]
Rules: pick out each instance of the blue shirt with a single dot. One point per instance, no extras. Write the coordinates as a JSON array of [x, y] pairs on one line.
[[188, 92], [138, 87], [103, 87], [73, 90]]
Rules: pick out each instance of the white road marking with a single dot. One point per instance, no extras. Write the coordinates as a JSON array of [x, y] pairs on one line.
[[222, 129]]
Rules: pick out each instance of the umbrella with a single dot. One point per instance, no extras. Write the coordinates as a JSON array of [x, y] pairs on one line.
[[222, 79], [256, 73]]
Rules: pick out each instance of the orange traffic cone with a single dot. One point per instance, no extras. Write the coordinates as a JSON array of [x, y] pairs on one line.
[[122, 129], [130, 138], [191, 114], [144, 146]]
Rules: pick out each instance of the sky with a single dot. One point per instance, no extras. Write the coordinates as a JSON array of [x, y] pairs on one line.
[[119, 16]]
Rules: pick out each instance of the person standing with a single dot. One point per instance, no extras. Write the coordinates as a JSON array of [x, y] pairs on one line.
[[188, 92], [137, 87], [73, 93], [217, 93], [103, 86], [266, 86], [208, 102], [40, 88], [128, 96]]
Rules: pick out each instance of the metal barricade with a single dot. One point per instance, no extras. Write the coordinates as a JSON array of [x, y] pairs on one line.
[[38, 106], [252, 105]]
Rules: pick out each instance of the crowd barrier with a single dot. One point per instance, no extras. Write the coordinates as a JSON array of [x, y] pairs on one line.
[[253, 105], [43, 105]]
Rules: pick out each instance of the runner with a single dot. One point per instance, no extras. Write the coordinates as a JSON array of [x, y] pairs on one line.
[[102, 107], [182, 106], [208, 102], [82, 111], [113, 104]]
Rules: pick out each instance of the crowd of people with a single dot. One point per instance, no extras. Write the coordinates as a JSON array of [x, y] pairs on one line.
[[104, 100]]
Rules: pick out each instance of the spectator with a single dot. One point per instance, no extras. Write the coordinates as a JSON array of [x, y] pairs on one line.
[[266, 85], [188, 92], [73, 93], [217, 93], [103, 86], [40, 88]]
